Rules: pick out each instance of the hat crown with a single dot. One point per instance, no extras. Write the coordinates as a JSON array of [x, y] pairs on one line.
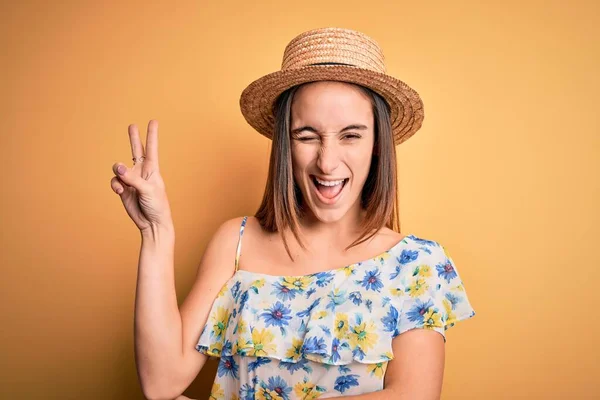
[[333, 46]]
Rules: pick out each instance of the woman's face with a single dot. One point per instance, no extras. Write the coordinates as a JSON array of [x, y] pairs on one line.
[[332, 132]]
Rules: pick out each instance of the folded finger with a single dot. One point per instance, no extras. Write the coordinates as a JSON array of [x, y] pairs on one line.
[[116, 185]]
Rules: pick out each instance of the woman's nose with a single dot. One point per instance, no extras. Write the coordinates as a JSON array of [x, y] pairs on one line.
[[328, 159]]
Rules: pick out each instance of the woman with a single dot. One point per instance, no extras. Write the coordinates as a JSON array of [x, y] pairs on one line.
[[327, 297]]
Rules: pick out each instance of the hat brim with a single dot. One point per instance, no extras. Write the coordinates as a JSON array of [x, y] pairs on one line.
[[406, 107]]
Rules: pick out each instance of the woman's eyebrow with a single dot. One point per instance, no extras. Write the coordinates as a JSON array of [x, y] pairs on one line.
[[304, 128], [311, 129], [354, 126]]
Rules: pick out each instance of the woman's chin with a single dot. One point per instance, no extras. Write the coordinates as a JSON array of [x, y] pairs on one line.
[[328, 215]]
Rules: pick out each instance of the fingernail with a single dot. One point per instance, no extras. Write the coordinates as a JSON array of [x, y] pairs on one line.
[[121, 169]]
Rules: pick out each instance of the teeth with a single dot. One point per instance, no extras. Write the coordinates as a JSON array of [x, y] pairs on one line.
[[329, 183]]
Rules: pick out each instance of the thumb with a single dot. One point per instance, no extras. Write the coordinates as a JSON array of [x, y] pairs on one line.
[[129, 177]]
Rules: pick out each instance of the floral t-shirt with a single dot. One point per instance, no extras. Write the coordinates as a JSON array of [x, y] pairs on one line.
[[328, 334]]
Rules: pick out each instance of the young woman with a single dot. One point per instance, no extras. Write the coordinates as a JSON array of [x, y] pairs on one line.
[[327, 298]]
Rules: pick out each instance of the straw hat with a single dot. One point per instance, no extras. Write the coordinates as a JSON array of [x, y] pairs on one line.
[[333, 54]]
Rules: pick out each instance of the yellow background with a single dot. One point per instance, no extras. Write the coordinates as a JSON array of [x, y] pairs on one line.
[[504, 173]]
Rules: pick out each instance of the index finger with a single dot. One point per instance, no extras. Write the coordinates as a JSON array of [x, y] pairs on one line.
[[152, 141]]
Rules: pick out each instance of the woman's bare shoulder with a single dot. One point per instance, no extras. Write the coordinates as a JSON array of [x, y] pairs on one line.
[[389, 236]]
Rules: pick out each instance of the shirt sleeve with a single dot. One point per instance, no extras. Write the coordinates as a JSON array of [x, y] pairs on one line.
[[434, 296]]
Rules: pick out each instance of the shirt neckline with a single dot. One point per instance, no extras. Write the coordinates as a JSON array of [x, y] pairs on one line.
[[329, 271]]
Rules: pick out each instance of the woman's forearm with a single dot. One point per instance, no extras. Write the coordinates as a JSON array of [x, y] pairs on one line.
[[157, 323]]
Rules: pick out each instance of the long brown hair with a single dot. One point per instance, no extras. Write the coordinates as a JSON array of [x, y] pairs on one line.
[[282, 204]]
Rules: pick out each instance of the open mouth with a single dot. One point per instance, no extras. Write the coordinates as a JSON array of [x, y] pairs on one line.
[[329, 191]]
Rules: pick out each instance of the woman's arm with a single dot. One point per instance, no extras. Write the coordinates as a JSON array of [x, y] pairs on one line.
[[417, 370], [165, 335]]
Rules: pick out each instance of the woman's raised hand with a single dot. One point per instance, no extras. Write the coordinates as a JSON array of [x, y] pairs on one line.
[[141, 188]]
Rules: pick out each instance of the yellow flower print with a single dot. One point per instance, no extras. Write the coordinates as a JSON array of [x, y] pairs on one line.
[[382, 257], [451, 316], [306, 391], [215, 349], [378, 369], [242, 346], [242, 326], [396, 292], [294, 352], [217, 393], [222, 291], [258, 283], [363, 336], [220, 320], [266, 394], [349, 270], [297, 282], [432, 319], [262, 341], [388, 355], [418, 287], [424, 270], [303, 388], [321, 314], [235, 397], [341, 325]]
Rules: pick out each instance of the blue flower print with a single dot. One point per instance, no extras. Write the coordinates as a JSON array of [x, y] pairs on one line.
[[425, 249], [407, 256], [358, 353], [310, 292], [424, 241], [356, 298], [323, 278], [279, 386], [371, 281], [394, 274], [307, 312], [390, 321], [453, 299], [283, 292], [446, 271], [235, 290], [278, 315], [344, 369], [227, 366], [369, 305], [418, 310], [314, 345], [292, 367], [243, 300], [336, 298], [345, 382], [227, 347], [326, 330], [246, 392], [259, 361], [336, 345]]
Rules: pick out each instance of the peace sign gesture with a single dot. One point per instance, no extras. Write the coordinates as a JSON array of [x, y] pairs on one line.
[[141, 188]]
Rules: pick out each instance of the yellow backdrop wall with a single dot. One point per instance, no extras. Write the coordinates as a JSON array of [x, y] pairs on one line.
[[504, 173]]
